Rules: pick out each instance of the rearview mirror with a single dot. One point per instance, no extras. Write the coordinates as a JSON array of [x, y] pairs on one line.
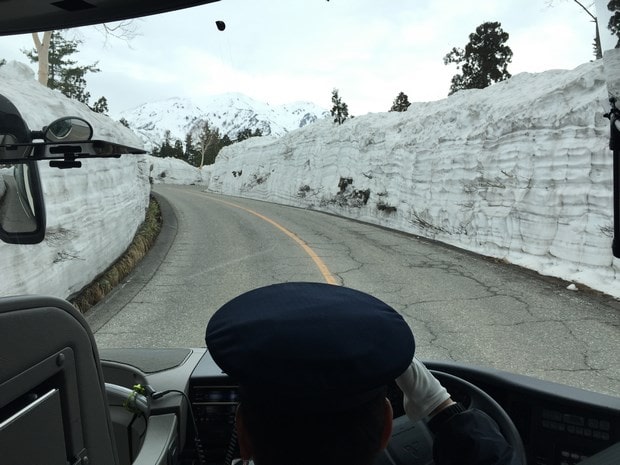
[[68, 129], [22, 211]]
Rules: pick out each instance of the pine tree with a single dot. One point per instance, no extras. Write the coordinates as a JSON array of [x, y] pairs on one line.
[[224, 141], [192, 154], [101, 106], [614, 22], [178, 150], [64, 74], [401, 102], [247, 133], [596, 46], [165, 149], [244, 134], [483, 61], [340, 110], [124, 122], [213, 147]]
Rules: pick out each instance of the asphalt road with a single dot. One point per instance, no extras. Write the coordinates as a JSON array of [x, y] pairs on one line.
[[461, 307]]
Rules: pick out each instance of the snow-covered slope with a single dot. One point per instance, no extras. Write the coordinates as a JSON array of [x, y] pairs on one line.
[[230, 113]]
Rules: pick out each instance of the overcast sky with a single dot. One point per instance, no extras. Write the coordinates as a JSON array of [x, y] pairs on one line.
[[280, 51]]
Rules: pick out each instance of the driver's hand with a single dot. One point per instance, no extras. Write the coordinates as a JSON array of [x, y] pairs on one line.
[[423, 393]]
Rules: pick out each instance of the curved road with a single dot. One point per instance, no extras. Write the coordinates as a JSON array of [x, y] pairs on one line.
[[461, 307]]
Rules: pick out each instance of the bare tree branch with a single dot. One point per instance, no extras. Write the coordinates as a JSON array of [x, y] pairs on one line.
[[585, 9], [123, 30], [597, 39]]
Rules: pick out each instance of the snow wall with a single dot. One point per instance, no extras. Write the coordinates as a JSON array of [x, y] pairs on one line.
[[520, 171], [92, 212]]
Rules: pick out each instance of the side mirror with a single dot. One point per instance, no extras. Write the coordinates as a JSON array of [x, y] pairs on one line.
[[68, 129], [22, 210]]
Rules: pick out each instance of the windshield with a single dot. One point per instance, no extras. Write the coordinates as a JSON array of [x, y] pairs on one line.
[[335, 142]]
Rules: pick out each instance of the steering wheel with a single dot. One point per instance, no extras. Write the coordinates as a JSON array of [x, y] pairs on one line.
[[412, 443]]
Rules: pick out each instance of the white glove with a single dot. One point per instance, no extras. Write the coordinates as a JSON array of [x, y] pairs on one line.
[[423, 393]]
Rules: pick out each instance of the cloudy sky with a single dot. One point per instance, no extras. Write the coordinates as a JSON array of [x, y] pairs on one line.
[[280, 51]]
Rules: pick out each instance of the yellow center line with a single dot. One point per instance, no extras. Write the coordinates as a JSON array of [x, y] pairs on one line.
[[329, 279]]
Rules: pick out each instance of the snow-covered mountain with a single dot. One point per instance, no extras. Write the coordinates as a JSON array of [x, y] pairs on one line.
[[230, 113]]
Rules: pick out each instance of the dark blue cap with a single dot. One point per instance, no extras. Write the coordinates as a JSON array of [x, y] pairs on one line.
[[311, 343]]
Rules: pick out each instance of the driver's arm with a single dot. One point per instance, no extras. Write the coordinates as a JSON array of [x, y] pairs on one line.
[[462, 436]]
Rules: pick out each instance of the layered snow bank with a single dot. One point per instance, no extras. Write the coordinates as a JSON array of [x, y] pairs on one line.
[[92, 212], [173, 171], [519, 171]]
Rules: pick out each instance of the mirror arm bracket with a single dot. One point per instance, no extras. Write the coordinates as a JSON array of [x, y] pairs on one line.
[[65, 164], [68, 162], [37, 134]]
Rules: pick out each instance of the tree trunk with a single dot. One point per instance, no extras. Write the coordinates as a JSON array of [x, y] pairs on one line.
[[43, 47], [202, 157]]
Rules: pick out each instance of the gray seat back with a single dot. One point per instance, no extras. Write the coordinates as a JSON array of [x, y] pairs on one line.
[[52, 393]]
